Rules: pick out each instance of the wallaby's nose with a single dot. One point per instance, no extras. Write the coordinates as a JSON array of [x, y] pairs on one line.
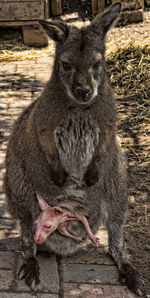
[[82, 91]]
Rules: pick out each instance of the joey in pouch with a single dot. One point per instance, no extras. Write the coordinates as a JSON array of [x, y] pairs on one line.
[[57, 217]]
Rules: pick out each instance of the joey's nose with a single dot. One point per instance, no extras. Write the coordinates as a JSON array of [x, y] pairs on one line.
[[38, 239], [83, 91]]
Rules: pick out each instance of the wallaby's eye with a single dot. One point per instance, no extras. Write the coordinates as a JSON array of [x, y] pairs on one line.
[[97, 65], [66, 66]]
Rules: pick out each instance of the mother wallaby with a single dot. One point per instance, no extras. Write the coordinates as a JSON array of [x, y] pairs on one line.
[[66, 139]]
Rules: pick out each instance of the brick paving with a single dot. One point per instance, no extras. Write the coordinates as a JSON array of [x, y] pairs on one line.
[[91, 272]]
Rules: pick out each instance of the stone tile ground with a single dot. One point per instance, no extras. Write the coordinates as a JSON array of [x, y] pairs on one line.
[[90, 273]]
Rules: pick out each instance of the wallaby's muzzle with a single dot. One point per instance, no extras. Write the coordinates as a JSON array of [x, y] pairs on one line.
[[83, 93]]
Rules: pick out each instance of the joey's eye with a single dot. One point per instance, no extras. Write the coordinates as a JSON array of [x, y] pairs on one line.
[[47, 226], [97, 65], [66, 66]]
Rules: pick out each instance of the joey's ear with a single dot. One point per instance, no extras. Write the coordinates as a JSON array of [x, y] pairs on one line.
[[56, 30], [42, 203], [102, 22], [57, 210]]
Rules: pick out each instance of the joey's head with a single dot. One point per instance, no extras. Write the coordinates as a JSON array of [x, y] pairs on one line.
[[80, 55], [47, 221]]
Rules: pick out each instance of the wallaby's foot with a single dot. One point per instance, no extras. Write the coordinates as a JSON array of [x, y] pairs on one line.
[[95, 240], [131, 277], [30, 271]]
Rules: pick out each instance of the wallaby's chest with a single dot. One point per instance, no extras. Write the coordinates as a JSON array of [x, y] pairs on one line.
[[76, 138]]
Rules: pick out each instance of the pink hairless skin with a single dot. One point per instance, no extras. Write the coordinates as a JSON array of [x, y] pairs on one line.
[[52, 218]]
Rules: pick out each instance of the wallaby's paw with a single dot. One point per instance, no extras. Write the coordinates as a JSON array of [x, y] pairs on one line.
[[59, 178], [132, 278], [91, 176], [30, 271]]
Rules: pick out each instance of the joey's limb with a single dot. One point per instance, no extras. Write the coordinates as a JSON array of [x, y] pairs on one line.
[[127, 273], [62, 228], [95, 240], [58, 174], [29, 270]]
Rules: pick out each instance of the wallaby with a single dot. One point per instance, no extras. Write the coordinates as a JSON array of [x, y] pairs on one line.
[[67, 139]]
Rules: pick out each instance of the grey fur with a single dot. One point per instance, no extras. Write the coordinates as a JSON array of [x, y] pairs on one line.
[[64, 146]]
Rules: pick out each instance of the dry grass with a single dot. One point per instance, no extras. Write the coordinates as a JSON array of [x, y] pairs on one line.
[[12, 47], [129, 71]]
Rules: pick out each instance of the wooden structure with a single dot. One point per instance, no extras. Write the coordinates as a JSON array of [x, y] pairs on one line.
[[27, 13], [132, 11], [97, 5]]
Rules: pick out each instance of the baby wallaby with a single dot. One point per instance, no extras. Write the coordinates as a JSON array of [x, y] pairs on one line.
[[57, 217], [67, 137]]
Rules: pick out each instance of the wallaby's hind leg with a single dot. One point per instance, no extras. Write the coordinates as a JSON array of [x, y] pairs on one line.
[[30, 267], [127, 273]]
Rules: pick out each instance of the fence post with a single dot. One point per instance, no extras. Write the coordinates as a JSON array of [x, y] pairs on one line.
[[56, 7]]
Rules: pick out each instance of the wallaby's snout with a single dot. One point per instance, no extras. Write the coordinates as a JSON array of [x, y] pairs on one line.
[[83, 92]]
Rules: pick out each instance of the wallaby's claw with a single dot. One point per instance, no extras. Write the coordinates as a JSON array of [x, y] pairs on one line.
[[139, 286], [30, 271], [132, 278]]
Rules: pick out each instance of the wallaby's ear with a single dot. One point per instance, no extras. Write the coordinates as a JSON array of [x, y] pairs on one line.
[[56, 30], [102, 22], [42, 203]]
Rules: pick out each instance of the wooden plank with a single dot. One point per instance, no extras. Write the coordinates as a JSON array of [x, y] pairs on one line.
[[33, 36], [94, 5], [23, 11], [133, 16], [20, 1], [47, 9], [130, 4], [56, 7], [101, 5], [114, 1], [18, 23]]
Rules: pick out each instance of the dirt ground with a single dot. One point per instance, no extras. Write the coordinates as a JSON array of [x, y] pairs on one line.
[[129, 75], [130, 80]]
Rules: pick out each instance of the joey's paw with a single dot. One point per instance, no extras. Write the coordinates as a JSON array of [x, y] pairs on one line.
[[79, 240], [95, 241], [30, 271], [132, 278]]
